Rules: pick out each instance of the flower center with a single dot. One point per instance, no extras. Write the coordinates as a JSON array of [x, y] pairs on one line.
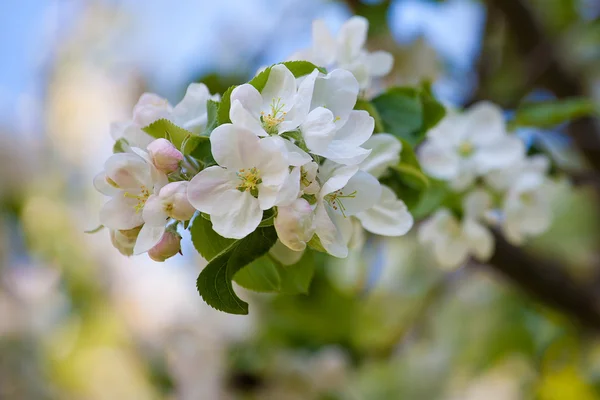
[[141, 198], [335, 200], [274, 118], [466, 149], [250, 179], [527, 198]]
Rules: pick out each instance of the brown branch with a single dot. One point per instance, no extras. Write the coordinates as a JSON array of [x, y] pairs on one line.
[[548, 281]]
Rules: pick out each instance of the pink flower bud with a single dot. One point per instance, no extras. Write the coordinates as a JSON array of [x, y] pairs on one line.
[[295, 224], [167, 247], [175, 201], [164, 155]]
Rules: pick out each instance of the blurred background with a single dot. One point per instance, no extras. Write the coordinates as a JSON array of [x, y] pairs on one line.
[[80, 321]]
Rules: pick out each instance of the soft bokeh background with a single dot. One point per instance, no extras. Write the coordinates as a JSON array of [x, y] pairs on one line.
[[80, 321]]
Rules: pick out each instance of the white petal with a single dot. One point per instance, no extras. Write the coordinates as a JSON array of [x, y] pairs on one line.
[[207, 188], [335, 179], [154, 212], [477, 203], [191, 112], [242, 217], [117, 129], [379, 63], [343, 153], [128, 171], [249, 97], [351, 39], [385, 152], [295, 224], [464, 180], [295, 156], [329, 234], [271, 161], [451, 252], [324, 44], [357, 129], [234, 147], [146, 114], [481, 241], [484, 123], [364, 191], [148, 238], [389, 217], [337, 92], [302, 103], [290, 190], [137, 137], [438, 161], [318, 129], [102, 185], [241, 117], [120, 213], [501, 153], [280, 88], [430, 229]]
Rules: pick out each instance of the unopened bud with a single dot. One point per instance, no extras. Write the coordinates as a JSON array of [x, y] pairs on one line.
[[167, 247], [295, 224], [175, 201], [164, 155], [124, 240]]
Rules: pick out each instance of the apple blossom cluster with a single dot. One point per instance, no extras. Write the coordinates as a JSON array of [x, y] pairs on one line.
[[296, 150], [497, 185]]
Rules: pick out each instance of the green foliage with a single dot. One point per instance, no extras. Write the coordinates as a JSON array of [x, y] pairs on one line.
[[370, 108], [120, 146], [268, 275], [206, 241], [408, 113], [550, 113], [298, 68], [214, 282], [165, 129]]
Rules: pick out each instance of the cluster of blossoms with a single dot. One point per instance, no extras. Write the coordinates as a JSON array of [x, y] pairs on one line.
[[296, 153], [498, 185]]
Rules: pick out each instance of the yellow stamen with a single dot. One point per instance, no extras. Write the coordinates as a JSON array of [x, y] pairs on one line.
[[334, 200], [250, 180], [466, 149], [141, 198], [274, 118]]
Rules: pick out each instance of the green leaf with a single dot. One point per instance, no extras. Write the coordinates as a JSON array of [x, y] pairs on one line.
[[408, 113], [120, 146], [430, 199], [296, 279], [550, 113], [214, 282], [268, 275], [164, 128], [206, 241], [260, 276], [224, 106], [212, 109]]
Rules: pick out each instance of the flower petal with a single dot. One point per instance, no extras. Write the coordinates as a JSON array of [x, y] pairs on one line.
[[279, 89], [154, 212], [295, 224], [329, 234], [351, 39], [207, 188], [484, 123], [240, 116], [318, 129], [102, 185], [191, 112], [481, 241], [341, 152], [120, 213], [357, 129], [501, 153], [335, 177], [379, 63], [234, 147], [128, 171], [337, 92], [242, 217], [477, 203], [385, 152], [148, 238], [389, 217], [324, 44], [360, 193], [437, 161]]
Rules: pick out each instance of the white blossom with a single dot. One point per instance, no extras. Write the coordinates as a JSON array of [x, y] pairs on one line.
[[468, 145], [164, 155], [389, 216], [250, 175], [190, 113], [526, 209], [130, 180], [295, 224], [346, 191], [168, 246], [453, 241], [347, 51]]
